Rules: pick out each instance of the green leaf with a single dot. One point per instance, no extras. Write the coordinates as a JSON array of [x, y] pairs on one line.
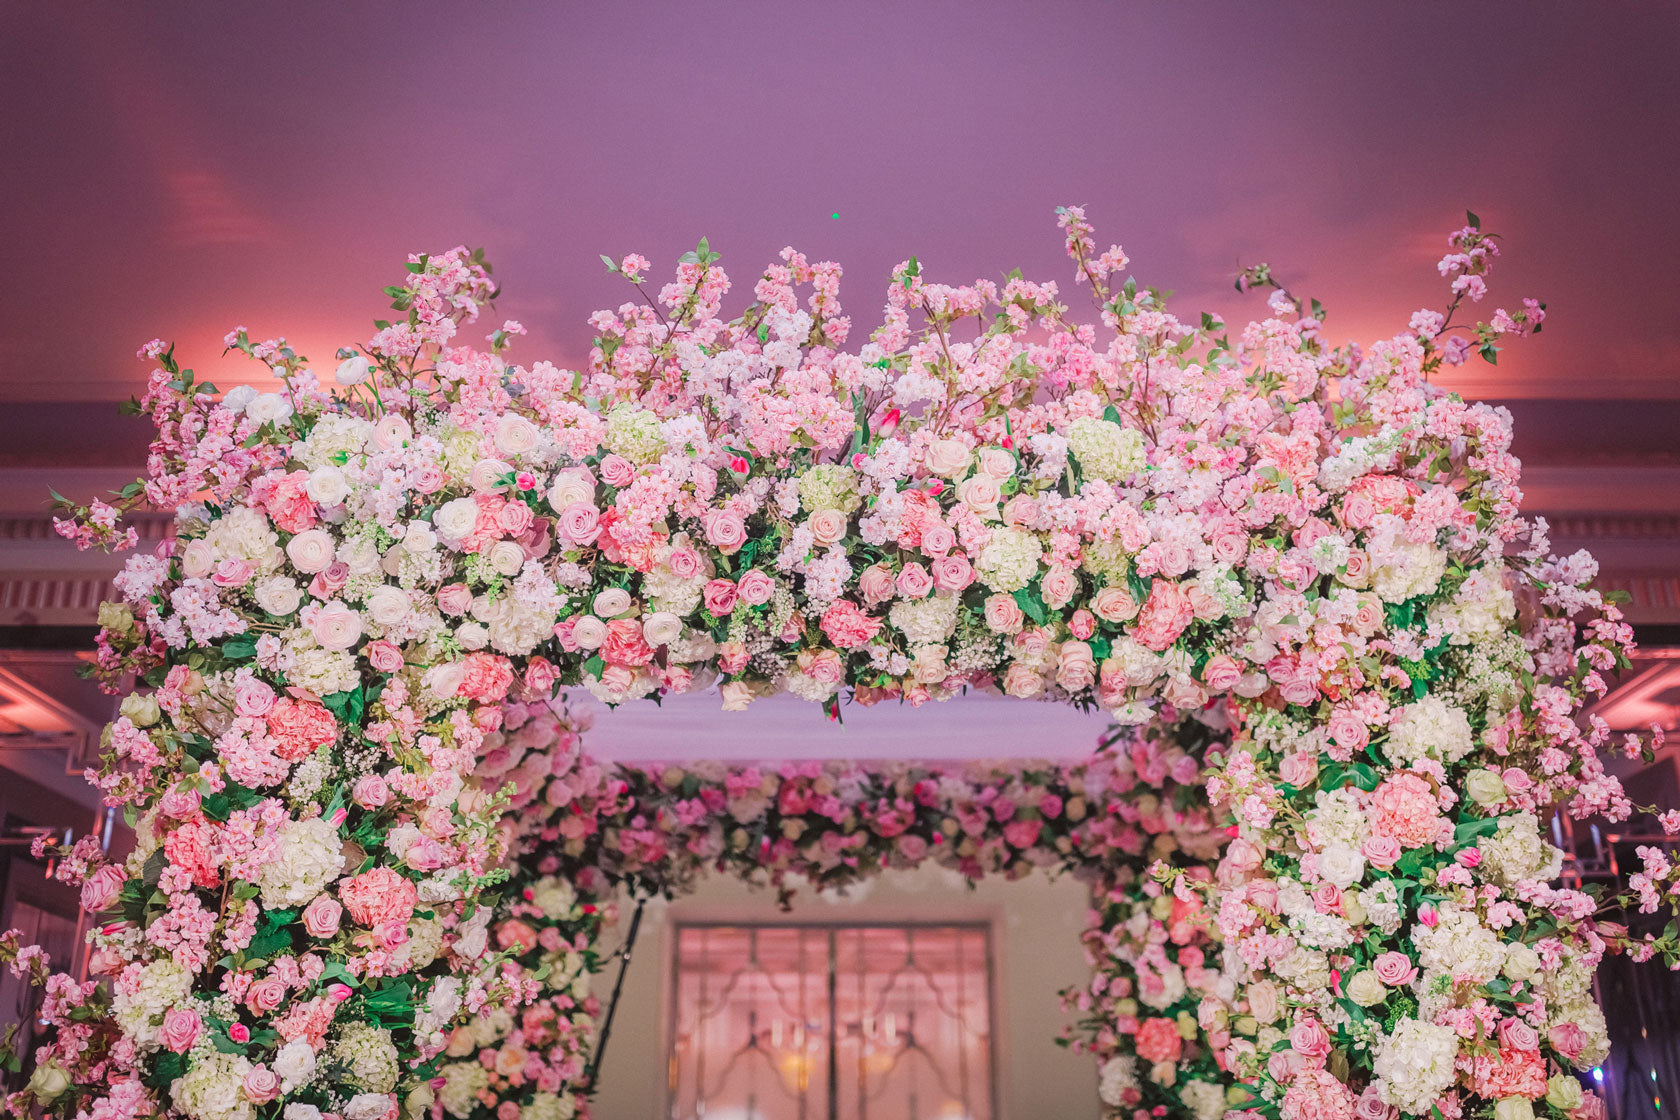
[[239, 647], [1032, 605], [612, 265], [347, 707], [1470, 830], [1474, 221]]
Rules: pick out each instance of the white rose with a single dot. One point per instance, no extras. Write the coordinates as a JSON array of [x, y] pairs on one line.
[[367, 1106], [327, 485], [472, 635], [612, 602], [1514, 1108], [507, 558], [419, 538], [454, 520], [589, 632], [352, 371], [311, 551], [516, 435], [237, 398], [661, 628], [295, 1064], [388, 605], [1342, 866], [573, 485], [948, 457], [444, 681], [1366, 989], [269, 408], [48, 1082], [297, 1110], [279, 595]]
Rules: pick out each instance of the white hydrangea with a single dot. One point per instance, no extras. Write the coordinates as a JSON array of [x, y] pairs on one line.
[[243, 533], [666, 591], [1336, 819], [1118, 1075], [1009, 561], [1404, 571], [927, 621], [213, 1088], [549, 1106], [310, 855], [1482, 608], [829, 486], [1106, 451], [367, 1106], [332, 441], [554, 896], [1415, 1065], [1460, 946], [369, 1057], [425, 941], [140, 1002], [1204, 1099], [1589, 1016], [462, 1082], [441, 1004], [1517, 852], [634, 433], [1430, 728]]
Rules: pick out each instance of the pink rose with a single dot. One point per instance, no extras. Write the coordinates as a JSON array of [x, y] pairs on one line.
[[454, 599], [725, 530], [684, 562], [754, 588], [732, 657], [1309, 1038], [719, 596], [1394, 968], [1518, 1035], [1221, 673], [914, 581], [181, 1028], [1567, 1039], [1299, 769], [580, 523], [1348, 730], [252, 697], [938, 539], [1003, 614], [827, 526], [179, 803], [823, 666], [100, 890], [1083, 624], [952, 573], [1114, 604], [370, 791], [979, 492], [262, 1085], [625, 643], [1059, 586], [265, 996], [876, 583], [1076, 669], [302, 728], [321, 917], [379, 896], [1381, 852], [617, 471], [384, 656]]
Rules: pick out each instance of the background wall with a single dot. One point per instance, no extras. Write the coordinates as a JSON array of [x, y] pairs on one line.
[[1035, 938]]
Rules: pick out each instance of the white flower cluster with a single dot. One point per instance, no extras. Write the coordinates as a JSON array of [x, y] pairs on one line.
[[1204, 1099], [309, 856], [1118, 1075], [213, 1088], [369, 1057], [1459, 946], [1430, 728], [144, 994], [1415, 1065], [1105, 450], [1482, 609], [1517, 852], [1010, 559]]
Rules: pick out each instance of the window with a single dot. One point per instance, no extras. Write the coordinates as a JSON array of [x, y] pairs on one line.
[[831, 1022]]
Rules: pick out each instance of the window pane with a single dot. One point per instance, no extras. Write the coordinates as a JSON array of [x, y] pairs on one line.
[[831, 1023]]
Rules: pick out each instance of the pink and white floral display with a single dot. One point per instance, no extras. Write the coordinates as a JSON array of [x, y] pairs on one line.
[[1313, 544]]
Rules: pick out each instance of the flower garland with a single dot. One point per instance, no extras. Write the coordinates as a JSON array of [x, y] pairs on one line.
[[1135, 513]]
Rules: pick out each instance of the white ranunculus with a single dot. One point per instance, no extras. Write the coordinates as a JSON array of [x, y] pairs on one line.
[[661, 628], [328, 486], [336, 626], [419, 537], [516, 435], [352, 371], [612, 602], [507, 557], [575, 484], [388, 606], [589, 632], [486, 473], [311, 551], [295, 1065]]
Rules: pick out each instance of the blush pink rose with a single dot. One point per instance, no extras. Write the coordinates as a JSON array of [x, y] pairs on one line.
[[684, 562], [302, 727], [379, 896], [261, 1085], [580, 523], [1309, 1038], [754, 588], [720, 596], [1004, 615], [1083, 624], [914, 582], [370, 791], [384, 656], [265, 996], [1381, 852], [876, 583], [100, 890], [725, 530], [181, 1028], [454, 599], [321, 917], [617, 471], [952, 573], [1059, 586], [1164, 616], [1114, 604]]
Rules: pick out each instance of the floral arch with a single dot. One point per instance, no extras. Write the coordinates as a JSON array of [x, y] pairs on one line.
[[349, 847]]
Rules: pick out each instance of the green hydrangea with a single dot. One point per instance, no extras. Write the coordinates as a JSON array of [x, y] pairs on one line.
[[1106, 451], [829, 486], [635, 434]]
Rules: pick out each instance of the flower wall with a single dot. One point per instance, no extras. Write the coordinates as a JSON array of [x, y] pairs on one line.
[[355, 839]]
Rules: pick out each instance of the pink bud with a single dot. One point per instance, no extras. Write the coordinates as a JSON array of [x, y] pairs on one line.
[[338, 817], [738, 464], [1429, 917], [525, 480], [889, 423], [936, 487], [1468, 857], [341, 992], [239, 1032]]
